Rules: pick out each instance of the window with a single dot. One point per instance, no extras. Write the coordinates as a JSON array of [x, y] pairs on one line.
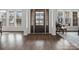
[[60, 17], [11, 18], [67, 18], [39, 18], [3, 17], [18, 18], [75, 19]]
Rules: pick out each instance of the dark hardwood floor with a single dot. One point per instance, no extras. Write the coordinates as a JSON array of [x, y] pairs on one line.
[[46, 42], [35, 42]]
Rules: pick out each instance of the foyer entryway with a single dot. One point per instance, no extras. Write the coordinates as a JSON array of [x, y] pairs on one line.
[[39, 21]]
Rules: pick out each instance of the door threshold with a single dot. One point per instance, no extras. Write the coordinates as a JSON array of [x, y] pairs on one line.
[[39, 33]]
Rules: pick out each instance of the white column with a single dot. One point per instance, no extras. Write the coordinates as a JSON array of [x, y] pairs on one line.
[[52, 21], [27, 18], [29, 21], [78, 18], [24, 22]]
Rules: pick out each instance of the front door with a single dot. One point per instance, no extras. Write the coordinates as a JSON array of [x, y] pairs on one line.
[[39, 21]]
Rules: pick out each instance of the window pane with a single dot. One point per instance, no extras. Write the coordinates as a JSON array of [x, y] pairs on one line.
[[11, 18], [39, 18], [67, 18], [41, 22], [18, 18], [75, 19], [3, 15], [60, 17], [60, 14]]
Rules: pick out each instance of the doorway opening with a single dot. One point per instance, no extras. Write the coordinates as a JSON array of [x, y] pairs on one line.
[[39, 21]]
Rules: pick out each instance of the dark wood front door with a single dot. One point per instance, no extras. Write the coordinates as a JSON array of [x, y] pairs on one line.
[[38, 21]]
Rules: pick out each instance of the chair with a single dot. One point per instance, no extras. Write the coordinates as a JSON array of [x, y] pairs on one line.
[[63, 28]]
